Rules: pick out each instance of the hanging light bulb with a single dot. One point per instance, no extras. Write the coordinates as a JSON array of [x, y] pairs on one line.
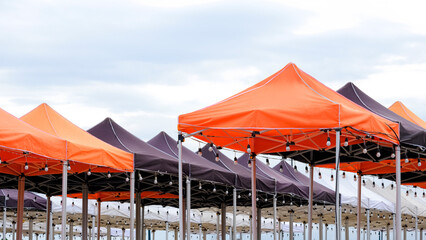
[[249, 163], [378, 154], [0, 160], [235, 160], [392, 186], [363, 182], [226, 192], [306, 169], [407, 193], [424, 194], [407, 160], [211, 147], [374, 184], [283, 200], [364, 150], [295, 168], [108, 174], [127, 179], [140, 177], [267, 162], [281, 168], [419, 163], [415, 194], [89, 172], [217, 157], [248, 148], [200, 186], [239, 196], [319, 175], [287, 146], [155, 179], [46, 168], [344, 175], [200, 152], [257, 199], [332, 177], [69, 167], [26, 166], [214, 189], [249, 194], [266, 199], [346, 143], [328, 142], [393, 155], [171, 183], [383, 185], [354, 178]]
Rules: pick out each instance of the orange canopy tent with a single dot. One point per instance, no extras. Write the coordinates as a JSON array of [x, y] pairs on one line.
[[288, 111], [98, 155], [87, 153], [400, 109]]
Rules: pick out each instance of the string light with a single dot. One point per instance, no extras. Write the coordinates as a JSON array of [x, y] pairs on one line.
[[346, 143], [200, 152], [407, 193], [89, 172], [155, 179], [214, 189], [332, 177], [306, 169], [249, 163], [200, 186], [392, 186], [108, 174], [378, 154], [217, 157], [248, 148], [69, 166], [46, 168], [354, 178], [363, 182], [211, 147], [319, 175], [281, 168], [287, 146], [383, 185], [328, 143], [235, 160], [26, 166], [419, 163], [374, 184], [140, 177], [267, 162], [344, 175], [364, 150], [127, 178], [393, 155], [295, 168]]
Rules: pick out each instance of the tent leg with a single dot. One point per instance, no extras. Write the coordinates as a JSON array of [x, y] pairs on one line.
[[20, 209], [200, 232], [421, 233], [304, 230], [368, 224], [279, 229], [259, 223], [108, 231], [93, 227], [274, 203], [143, 232], [347, 228], [217, 226], [253, 200], [176, 233], [416, 228], [99, 219], [398, 192], [188, 208], [4, 221], [48, 219], [251, 228], [338, 214], [123, 232], [223, 221], [320, 227], [85, 210], [13, 230], [234, 215], [64, 199], [326, 228], [291, 235], [205, 235], [30, 228], [71, 230], [394, 226], [167, 230], [89, 234], [387, 232], [181, 219], [404, 232], [132, 205], [138, 215], [311, 200], [359, 214]]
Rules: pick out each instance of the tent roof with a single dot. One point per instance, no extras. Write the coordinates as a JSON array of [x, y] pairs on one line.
[[31, 200], [124, 195], [321, 193], [146, 156], [22, 143], [96, 152], [193, 165], [410, 133], [289, 106], [400, 109]]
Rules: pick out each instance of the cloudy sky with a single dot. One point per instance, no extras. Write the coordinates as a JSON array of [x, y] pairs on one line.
[[144, 62]]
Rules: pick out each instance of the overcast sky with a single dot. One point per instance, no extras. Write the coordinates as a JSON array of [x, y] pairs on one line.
[[145, 62]]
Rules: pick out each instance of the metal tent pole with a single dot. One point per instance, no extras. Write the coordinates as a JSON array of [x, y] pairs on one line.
[[326, 228], [99, 219], [253, 200], [416, 227], [181, 230], [71, 230], [304, 230], [188, 208], [421, 233], [64, 199], [20, 207], [223, 220], [143, 232], [274, 203], [108, 231], [359, 216], [320, 227], [4, 220], [387, 231], [368, 224], [338, 216], [132, 205], [200, 232], [85, 210], [30, 228], [138, 215], [394, 226], [279, 229], [13, 230], [90, 233], [311, 200], [217, 226], [93, 227], [347, 228], [404, 232], [251, 228], [167, 230], [48, 215], [398, 192], [176, 233], [259, 223], [234, 215], [123, 232], [291, 235]]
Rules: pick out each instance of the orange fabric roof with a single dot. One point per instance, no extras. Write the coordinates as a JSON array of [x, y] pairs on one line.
[[382, 167], [288, 106], [17, 137], [96, 152], [400, 109], [123, 195]]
